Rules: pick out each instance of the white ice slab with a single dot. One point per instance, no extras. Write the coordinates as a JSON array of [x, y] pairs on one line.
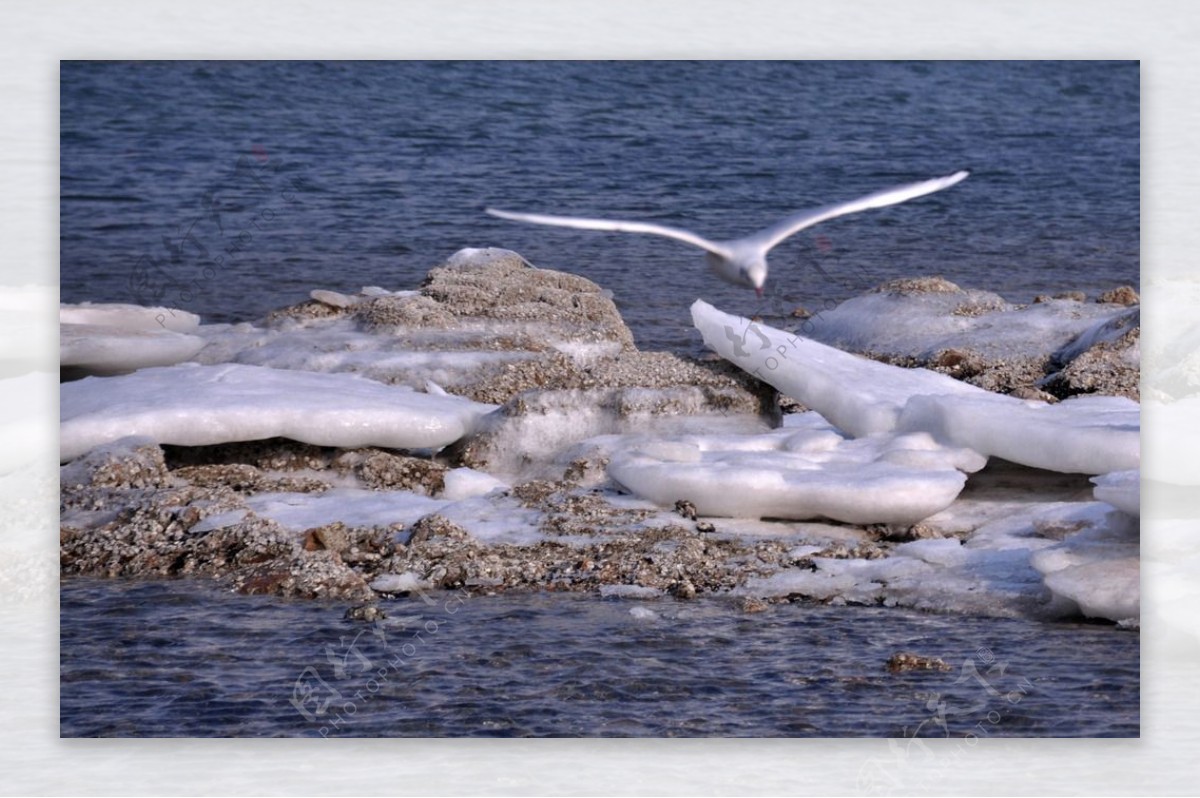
[[194, 405], [860, 396], [1081, 435], [128, 317], [1087, 435], [798, 474], [1096, 569], [103, 349]]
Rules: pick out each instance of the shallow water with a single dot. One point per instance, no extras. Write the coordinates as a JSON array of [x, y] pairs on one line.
[[184, 658], [232, 188]]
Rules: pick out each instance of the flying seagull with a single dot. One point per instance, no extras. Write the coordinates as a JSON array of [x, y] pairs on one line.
[[743, 261]]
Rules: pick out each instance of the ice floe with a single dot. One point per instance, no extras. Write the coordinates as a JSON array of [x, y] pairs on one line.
[[106, 339], [1096, 570], [1050, 561], [1091, 435], [101, 350], [798, 474], [193, 405]]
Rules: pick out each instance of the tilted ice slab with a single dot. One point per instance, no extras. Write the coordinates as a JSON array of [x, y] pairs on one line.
[[1090, 435], [859, 396], [193, 405], [810, 473]]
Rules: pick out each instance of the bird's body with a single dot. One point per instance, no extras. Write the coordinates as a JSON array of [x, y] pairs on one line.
[[743, 261]]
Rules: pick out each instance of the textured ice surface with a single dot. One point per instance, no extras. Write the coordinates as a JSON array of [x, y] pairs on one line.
[[1096, 569], [194, 405]]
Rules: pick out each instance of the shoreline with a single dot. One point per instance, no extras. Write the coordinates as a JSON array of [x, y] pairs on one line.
[[527, 501]]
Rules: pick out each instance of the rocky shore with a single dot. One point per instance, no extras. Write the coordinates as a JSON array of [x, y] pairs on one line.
[[551, 351]]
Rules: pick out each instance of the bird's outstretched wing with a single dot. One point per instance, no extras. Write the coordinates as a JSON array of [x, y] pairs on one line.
[[765, 239], [613, 225]]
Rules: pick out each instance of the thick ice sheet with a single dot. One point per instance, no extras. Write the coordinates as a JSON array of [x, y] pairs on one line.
[[128, 317], [798, 474], [1087, 435], [104, 350], [1081, 435], [194, 405]]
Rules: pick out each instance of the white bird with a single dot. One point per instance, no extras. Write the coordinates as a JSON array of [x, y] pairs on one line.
[[743, 261]]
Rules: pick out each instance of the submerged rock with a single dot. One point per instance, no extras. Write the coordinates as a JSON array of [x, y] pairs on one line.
[[905, 662]]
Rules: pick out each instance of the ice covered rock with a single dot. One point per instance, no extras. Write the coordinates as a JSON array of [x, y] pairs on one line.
[[353, 507], [810, 473], [528, 434], [485, 326], [1121, 489], [1089, 434], [978, 337], [200, 405]]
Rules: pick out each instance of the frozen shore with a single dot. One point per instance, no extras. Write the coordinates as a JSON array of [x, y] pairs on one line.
[[498, 430]]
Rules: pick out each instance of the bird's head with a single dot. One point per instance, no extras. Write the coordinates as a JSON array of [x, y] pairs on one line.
[[754, 275]]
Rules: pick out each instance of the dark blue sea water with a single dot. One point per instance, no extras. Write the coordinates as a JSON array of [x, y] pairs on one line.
[[186, 659], [230, 188]]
